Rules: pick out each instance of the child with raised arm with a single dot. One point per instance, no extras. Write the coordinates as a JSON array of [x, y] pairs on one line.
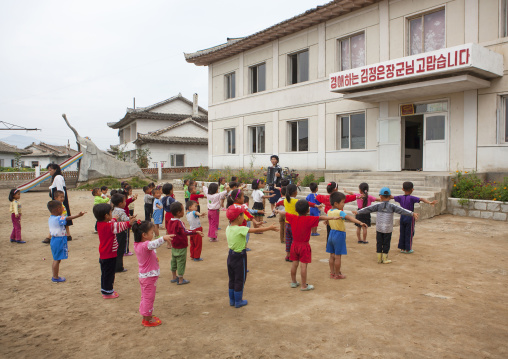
[[186, 193], [237, 256], [384, 222], [258, 197], [195, 196], [108, 227], [311, 198], [118, 201], [15, 209], [179, 243], [104, 192], [167, 201], [145, 248], [252, 212], [363, 199], [148, 200], [98, 197], [407, 223], [58, 241], [158, 210], [196, 241], [336, 243], [214, 199]]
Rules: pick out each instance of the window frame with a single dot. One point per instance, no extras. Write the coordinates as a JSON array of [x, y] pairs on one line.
[[288, 124], [421, 15], [503, 119], [290, 67], [253, 82], [231, 130], [251, 144], [230, 85], [173, 160], [338, 131], [503, 18], [339, 49]]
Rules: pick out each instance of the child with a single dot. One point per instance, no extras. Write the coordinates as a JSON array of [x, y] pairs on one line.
[[149, 270], [108, 227], [336, 243], [363, 199], [186, 192], [384, 222], [196, 241], [253, 212], [58, 242], [214, 200], [237, 200], [98, 197], [166, 202], [195, 196], [274, 181], [237, 257], [301, 225], [222, 187], [104, 192], [258, 197], [279, 206], [15, 209], [148, 202], [118, 201], [158, 210], [130, 207], [289, 207], [311, 198], [179, 243], [407, 224]]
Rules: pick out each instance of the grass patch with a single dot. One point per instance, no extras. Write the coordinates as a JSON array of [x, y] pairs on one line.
[[112, 183]]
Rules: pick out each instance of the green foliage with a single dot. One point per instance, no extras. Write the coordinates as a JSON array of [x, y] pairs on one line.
[[320, 179], [17, 160], [121, 154], [113, 183], [307, 180], [143, 157], [23, 169], [470, 186]]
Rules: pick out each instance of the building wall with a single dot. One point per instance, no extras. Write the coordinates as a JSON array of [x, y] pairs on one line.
[[178, 107], [7, 158], [44, 161], [187, 130], [195, 155]]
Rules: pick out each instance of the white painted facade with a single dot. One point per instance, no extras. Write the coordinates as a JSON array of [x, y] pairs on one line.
[[44, 161], [469, 107]]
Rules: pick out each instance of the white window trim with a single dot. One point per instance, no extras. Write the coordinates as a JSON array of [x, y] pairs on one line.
[[338, 61], [288, 123], [226, 82], [415, 15], [337, 130], [288, 72], [226, 138], [254, 128], [250, 77]]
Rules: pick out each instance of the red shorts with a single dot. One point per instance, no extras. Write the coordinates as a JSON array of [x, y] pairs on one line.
[[300, 252], [167, 218]]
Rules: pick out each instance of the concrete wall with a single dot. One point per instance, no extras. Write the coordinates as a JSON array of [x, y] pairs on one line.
[[7, 158], [479, 208], [195, 155], [187, 130]]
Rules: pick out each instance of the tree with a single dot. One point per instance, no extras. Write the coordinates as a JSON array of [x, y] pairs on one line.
[[143, 157], [17, 160], [121, 154]]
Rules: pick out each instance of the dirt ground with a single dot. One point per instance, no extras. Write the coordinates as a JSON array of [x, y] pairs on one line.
[[447, 300]]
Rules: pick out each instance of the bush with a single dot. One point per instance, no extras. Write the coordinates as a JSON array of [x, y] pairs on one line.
[[307, 180], [470, 186], [113, 183]]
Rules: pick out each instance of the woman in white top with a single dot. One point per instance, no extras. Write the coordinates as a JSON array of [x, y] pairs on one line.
[[58, 184]]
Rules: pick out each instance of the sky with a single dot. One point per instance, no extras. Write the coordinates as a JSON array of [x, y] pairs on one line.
[[89, 59]]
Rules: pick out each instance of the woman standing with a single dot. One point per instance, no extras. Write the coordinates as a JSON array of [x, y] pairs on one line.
[[58, 184]]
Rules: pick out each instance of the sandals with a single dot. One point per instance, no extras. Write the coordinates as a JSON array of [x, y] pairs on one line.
[[46, 240], [58, 280], [185, 281], [363, 242], [151, 323], [174, 280], [295, 285], [339, 276], [309, 287], [111, 296]]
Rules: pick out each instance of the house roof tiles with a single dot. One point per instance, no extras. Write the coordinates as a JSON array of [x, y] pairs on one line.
[[6, 148], [170, 140]]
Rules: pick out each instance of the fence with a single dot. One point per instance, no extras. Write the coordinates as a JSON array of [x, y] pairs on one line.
[[15, 179]]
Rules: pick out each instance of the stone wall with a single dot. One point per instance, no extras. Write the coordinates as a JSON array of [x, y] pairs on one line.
[[479, 209], [16, 179]]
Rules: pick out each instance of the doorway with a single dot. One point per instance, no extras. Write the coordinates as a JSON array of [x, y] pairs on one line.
[[413, 143]]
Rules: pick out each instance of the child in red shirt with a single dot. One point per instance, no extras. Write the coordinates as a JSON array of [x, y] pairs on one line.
[[107, 228], [301, 227], [194, 196]]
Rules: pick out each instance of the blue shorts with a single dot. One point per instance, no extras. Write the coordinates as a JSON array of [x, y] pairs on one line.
[[157, 216], [59, 248], [336, 243]]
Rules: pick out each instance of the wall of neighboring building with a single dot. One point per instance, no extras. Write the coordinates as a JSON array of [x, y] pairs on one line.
[[44, 161], [6, 158], [187, 130], [195, 155], [176, 107]]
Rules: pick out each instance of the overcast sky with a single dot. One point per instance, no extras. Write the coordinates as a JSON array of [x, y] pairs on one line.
[[88, 59]]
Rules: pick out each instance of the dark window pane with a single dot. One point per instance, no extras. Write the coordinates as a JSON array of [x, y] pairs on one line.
[[303, 136], [254, 79], [179, 160], [506, 119], [293, 128], [262, 78], [253, 139], [233, 85], [261, 139], [344, 132], [294, 69], [435, 128], [358, 131], [303, 66], [233, 141]]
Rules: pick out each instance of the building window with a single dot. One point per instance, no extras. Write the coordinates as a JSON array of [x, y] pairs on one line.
[[177, 160], [298, 135], [230, 85], [352, 52], [504, 119], [351, 131], [230, 140], [427, 32], [298, 67], [257, 78], [1, 163], [257, 139], [35, 164]]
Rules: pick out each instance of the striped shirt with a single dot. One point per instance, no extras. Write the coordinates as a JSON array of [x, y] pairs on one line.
[[385, 210]]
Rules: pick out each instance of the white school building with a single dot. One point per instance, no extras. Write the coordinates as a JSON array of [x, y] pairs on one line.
[[365, 85]]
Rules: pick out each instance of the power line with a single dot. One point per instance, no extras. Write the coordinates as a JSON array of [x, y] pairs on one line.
[[12, 127]]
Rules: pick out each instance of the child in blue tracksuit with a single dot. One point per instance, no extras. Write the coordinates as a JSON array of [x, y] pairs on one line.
[[313, 210], [407, 223]]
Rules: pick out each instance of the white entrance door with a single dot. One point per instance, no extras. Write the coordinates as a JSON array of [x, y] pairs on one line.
[[435, 144], [389, 144]]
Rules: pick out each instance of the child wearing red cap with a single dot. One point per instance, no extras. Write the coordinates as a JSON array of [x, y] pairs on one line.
[[237, 257]]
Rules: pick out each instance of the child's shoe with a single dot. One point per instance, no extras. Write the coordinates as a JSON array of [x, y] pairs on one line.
[[128, 254], [309, 287], [295, 285], [46, 240], [174, 280], [239, 302], [151, 323], [380, 258], [340, 276], [58, 280], [197, 259], [247, 249], [111, 296], [232, 297], [315, 234], [20, 242], [409, 251], [184, 281], [385, 259]]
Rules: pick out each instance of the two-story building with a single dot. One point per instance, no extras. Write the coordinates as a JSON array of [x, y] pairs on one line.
[[377, 85], [175, 131]]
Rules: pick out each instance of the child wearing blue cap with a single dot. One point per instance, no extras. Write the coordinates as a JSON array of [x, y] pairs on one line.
[[384, 222]]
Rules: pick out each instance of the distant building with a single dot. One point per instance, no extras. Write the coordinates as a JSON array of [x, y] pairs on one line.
[[174, 130], [8, 154], [43, 154]]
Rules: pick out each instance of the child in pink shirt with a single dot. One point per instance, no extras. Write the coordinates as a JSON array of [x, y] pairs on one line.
[[363, 199], [149, 270], [214, 199]]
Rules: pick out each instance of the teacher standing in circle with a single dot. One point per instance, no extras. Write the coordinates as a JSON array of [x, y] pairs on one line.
[[58, 184]]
